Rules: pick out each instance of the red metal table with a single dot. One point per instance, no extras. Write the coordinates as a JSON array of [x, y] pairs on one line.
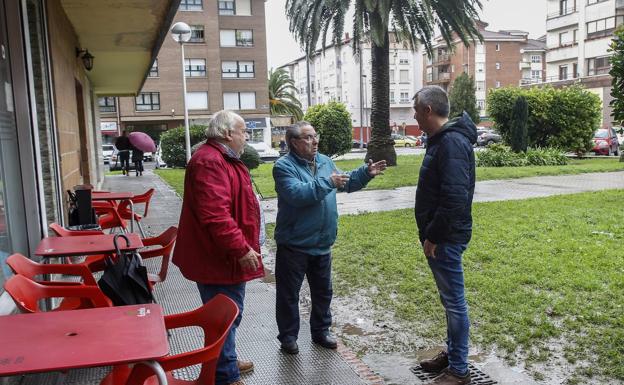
[[116, 196], [58, 341], [52, 247]]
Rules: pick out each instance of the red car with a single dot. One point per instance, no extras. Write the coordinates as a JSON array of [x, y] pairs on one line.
[[606, 142]]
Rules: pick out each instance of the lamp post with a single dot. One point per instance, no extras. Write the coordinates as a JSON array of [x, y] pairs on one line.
[[364, 77], [181, 33]]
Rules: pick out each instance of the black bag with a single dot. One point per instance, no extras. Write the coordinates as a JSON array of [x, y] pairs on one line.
[[125, 280]]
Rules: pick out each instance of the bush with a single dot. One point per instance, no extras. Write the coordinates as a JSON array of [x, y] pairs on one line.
[[333, 122], [565, 118], [499, 155], [173, 146], [250, 157]]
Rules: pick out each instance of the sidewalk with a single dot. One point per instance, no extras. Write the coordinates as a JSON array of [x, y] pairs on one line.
[[486, 191]]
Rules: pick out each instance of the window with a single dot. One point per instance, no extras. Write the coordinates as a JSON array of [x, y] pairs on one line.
[[236, 38], [498, 47], [195, 68], [197, 100], [153, 73], [391, 97], [536, 58], [239, 100], [107, 104], [148, 101], [227, 7], [574, 70], [574, 38], [391, 76], [480, 85], [595, 66], [404, 76], [479, 67], [563, 72], [590, 2], [565, 38], [393, 58], [498, 84], [498, 65], [405, 99], [481, 104], [191, 5], [603, 27], [238, 69], [536, 74], [197, 34]]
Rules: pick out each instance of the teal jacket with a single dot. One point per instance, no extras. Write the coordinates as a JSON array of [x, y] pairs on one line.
[[307, 216]]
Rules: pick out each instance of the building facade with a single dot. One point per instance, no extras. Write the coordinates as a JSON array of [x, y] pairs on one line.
[[225, 67], [503, 58], [336, 74], [578, 34], [49, 126]]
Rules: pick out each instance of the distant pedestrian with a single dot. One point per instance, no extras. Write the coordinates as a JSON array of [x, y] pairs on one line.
[[122, 143], [282, 145], [137, 159], [218, 244], [444, 218], [306, 183]]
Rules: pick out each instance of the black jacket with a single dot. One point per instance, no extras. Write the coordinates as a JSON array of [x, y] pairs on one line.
[[446, 184]]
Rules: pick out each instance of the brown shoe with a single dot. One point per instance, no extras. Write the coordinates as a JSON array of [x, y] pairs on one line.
[[449, 378], [435, 364], [244, 366]]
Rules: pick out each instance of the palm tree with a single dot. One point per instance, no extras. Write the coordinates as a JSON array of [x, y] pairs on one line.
[[412, 21], [281, 96]]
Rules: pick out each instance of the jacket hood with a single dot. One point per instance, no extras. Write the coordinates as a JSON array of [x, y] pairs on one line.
[[464, 125]]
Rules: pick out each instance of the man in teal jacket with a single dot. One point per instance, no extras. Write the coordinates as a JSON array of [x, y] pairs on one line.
[[306, 228]]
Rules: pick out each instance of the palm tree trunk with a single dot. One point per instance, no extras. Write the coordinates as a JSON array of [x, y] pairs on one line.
[[381, 145]]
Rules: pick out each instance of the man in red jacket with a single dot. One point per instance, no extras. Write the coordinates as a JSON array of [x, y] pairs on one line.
[[218, 244]]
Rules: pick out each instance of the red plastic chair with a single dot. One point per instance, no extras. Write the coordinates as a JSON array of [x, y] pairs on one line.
[[215, 318], [27, 294], [126, 214], [109, 217], [166, 241], [93, 262]]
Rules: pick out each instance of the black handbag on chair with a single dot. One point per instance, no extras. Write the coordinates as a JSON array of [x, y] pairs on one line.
[[125, 280]]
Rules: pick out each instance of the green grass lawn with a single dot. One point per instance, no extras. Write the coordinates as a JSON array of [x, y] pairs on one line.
[[544, 278], [406, 173]]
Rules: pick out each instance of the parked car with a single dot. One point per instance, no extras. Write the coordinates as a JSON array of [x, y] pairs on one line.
[[606, 142], [414, 138], [148, 156], [488, 137], [402, 141], [107, 152], [265, 151], [356, 144]]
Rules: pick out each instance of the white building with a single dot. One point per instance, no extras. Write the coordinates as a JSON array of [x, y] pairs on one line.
[[335, 75], [578, 34]]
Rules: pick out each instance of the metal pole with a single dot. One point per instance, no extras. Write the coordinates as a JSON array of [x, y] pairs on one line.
[[187, 134], [308, 79], [366, 103], [361, 105]]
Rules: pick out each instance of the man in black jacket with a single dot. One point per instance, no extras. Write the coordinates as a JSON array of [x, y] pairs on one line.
[[443, 215]]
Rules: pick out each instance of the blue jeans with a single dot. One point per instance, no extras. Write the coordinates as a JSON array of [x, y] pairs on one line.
[[449, 276], [227, 369], [290, 268]]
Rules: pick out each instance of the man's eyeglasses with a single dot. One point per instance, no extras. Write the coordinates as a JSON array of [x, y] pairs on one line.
[[310, 138]]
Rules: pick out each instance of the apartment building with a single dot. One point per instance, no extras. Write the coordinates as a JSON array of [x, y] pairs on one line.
[[336, 74], [225, 67], [504, 58], [578, 34]]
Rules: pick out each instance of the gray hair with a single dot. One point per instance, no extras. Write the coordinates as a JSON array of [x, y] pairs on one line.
[[221, 124], [436, 98], [294, 131]]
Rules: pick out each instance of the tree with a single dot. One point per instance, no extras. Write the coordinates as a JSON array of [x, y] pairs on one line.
[[412, 21], [519, 117], [281, 94], [172, 143], [332, 122], [463, 98], [617, 73]]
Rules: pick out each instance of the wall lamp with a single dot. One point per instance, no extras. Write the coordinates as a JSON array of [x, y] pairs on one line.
[[87, 58]]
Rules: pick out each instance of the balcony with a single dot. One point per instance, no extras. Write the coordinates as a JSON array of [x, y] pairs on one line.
[[442, 77], [441, 59], [529, 81], [524, 65], [561, 12]]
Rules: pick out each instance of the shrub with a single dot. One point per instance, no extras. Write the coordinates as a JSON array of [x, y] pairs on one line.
[[250, 157], [519, 125], [499, 155], [173, 145], [565, 118], [333, 122]]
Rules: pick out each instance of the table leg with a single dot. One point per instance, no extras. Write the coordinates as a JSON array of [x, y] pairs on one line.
[[131, 215], [160, 373]]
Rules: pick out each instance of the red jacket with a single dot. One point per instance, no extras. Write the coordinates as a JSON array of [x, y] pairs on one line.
[[219, 221]]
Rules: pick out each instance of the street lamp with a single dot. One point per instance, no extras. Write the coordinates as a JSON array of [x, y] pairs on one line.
[[181, 33]]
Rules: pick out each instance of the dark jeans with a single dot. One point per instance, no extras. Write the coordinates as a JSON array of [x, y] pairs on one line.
[[290, 268], [227, 370], [138, 166], [124, 158], [449, 276]]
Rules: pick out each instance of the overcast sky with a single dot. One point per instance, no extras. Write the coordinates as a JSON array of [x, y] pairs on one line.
[[526, 15]]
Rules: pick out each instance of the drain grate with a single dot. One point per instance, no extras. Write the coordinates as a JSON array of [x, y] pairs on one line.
[[477, 377]]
